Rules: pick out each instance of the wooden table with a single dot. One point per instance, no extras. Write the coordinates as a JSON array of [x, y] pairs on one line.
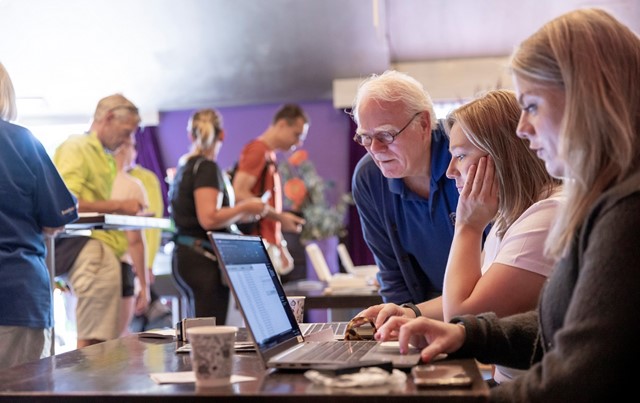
[[118, 371]]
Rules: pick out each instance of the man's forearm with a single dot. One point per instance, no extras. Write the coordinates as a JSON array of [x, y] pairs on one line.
[[137, 254]]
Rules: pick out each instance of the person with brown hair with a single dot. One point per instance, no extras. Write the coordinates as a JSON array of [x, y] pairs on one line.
[[202, 200], [574, 81], [257, 176]]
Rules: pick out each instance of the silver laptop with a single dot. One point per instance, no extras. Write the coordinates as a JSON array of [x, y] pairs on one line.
[[268, 317]]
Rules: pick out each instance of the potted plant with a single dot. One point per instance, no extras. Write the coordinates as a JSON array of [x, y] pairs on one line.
[[305, 193]]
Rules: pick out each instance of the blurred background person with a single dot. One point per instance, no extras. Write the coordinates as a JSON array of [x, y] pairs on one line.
[[92, 264], [202, 200], [256, 176], [133, 262], [157, 314]]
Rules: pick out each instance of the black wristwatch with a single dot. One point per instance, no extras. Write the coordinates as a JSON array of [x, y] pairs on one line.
[[413, 308]]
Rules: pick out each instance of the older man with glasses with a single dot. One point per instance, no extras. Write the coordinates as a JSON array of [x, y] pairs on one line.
[[405, 201], [90, 265]]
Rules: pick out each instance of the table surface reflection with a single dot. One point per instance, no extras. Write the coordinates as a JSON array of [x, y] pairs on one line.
[[118, 370]]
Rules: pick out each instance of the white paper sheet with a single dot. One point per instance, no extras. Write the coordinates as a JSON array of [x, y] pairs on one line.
[[189, 377]]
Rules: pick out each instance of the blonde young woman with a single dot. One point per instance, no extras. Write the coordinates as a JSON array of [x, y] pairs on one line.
[[574, 79], [502, 182], [200, 202]]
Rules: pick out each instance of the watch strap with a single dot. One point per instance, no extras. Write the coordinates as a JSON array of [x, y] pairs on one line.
[[414, 308]]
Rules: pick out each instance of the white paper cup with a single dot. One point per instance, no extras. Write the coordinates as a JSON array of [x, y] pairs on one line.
[[297, 306], [212, 354]]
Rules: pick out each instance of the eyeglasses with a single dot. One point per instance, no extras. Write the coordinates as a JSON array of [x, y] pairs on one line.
[[360, 328], [385, 138]]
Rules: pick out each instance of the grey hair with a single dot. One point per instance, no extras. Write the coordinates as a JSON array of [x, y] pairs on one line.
[[394, 86], [117, 104]]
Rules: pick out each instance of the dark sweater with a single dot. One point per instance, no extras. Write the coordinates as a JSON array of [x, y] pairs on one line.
[[582, 343]]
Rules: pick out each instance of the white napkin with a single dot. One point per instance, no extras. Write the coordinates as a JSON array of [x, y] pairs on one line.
[[366, 377]]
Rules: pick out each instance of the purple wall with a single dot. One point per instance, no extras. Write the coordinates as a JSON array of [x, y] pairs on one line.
[[327, 141]]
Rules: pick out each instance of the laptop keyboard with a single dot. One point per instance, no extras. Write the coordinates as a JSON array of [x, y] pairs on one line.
[[331, 351], [338, 328]]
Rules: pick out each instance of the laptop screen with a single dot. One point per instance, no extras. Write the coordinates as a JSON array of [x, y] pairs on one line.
[[256, 287]]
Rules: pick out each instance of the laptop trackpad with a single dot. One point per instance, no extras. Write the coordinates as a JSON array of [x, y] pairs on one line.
[[390, 351]]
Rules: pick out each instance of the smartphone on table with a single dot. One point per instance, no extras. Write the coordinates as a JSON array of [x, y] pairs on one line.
[[443, 375]]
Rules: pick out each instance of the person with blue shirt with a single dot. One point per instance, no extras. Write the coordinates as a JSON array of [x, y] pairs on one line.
[[404, 199], [35, 204]]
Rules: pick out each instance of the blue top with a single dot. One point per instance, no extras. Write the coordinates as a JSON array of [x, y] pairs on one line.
[[32, 196], [410, 236]]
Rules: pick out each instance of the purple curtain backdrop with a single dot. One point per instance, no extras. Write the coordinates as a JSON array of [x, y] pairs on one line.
[[149, 157], [327, 142], [360, 253]]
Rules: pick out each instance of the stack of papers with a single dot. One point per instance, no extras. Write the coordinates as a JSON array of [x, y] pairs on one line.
[[238, 346], [158, 334]]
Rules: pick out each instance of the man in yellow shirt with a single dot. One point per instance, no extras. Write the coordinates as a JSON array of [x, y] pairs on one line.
[[86, 164]]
